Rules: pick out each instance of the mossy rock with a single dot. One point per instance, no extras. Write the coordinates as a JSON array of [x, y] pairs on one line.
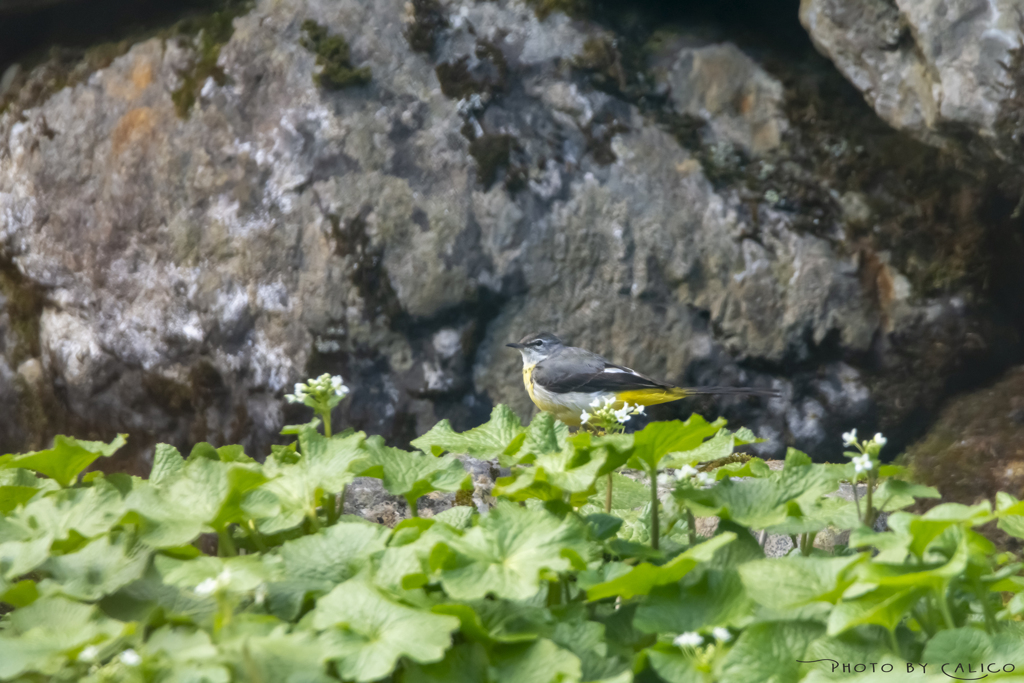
[[976, 447]]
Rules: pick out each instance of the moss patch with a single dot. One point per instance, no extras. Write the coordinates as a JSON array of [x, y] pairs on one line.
[[575, 9], [976, 447], [428, 18], [488, 74], [332, 54], [492, 153], [214, 30]]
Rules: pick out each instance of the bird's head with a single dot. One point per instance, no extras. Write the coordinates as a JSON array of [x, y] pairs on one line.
[[537, 347]]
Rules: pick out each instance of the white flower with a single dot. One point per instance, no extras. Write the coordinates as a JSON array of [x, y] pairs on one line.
[[622, 414], [665, 479], [721, 634], [338, 386], [89, 653], [704, 479], [260, 596], [208, 586], [880, 440], [862, 463], [130, 657], [638, 409], [688, 639], [584, 416], [300, 389], [596, 403], [686, 471], [850, 437]]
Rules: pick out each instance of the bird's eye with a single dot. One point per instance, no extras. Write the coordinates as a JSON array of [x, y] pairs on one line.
[[536, 342]]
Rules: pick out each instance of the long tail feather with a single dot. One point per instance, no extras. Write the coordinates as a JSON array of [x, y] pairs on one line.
[[729, 391]]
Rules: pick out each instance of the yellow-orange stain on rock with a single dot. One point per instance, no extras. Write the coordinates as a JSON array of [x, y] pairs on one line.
[[140, 78], [133, 128], [142, 75]]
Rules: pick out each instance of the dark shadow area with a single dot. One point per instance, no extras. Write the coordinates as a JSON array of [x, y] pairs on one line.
[[28, 37]]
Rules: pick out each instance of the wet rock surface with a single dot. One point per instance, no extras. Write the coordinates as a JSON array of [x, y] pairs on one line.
[[202, 223]]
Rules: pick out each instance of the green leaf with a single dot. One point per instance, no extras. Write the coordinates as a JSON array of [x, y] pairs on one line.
[[763, 503], [167, 465], [538, 662], [721, 445], [366, 632], [334, 554], [959, 646], [884, 606], [658, 439], [465, 663], [18, 486], [18, 558], [41, 636], [792, 581], [326, 465], [551, 475], [87, 512], [768, 652], [711, 595], [413, 475], [207, 495], [278, 656], [498, 621], [642, 578], [503, 434], [627, 493], [460, 516], [545, 435], [673, 665], [507, 551], [66, 460], [98, 569]]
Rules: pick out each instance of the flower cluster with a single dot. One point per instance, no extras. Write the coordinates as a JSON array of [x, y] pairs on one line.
[[690, 472], [322, 389], [694, 639], [866, 456], [607, 417], [211, 586]]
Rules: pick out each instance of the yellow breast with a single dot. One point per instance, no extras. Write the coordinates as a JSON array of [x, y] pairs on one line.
[[547, 402]]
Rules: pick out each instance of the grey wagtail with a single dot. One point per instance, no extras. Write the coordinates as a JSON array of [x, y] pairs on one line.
[[566, 380]]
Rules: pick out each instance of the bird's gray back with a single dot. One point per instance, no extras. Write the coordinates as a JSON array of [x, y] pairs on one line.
[[569, 361]]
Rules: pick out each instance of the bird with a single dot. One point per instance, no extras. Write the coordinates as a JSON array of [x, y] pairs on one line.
[[566, 380]]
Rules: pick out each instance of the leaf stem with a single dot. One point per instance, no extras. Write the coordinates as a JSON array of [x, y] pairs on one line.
[[225, 544], [326, 415], [654, 508], [255, 535], [691, 525], [413, 504], [608, 495]]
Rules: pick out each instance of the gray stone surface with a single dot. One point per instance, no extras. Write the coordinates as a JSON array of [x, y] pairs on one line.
[[186, 271], [938, 69]]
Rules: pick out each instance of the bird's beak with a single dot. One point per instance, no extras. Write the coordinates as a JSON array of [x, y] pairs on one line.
[[514, 346]]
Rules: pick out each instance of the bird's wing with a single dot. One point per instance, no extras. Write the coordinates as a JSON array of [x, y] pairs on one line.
[[573, 369]]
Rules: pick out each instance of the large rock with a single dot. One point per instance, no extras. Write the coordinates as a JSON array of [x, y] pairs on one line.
[[192, 229], [942, 70]]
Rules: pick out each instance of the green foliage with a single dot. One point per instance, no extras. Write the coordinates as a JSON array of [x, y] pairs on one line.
[[102, 577]]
